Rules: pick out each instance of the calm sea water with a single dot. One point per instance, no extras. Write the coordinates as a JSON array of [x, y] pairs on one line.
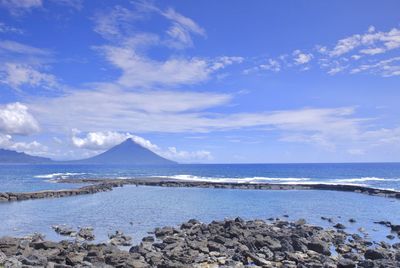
[[137, 210]]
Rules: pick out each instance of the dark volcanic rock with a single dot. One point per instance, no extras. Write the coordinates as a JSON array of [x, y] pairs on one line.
[[339, 226], [228, 243], [374, 254], [86, 233], [119, 239]]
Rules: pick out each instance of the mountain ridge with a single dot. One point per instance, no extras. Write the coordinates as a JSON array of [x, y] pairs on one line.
[[13, 157], [126, 153]]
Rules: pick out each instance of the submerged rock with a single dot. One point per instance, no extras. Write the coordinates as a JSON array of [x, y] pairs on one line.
[[119, 239], [64, 230], [86, 233]]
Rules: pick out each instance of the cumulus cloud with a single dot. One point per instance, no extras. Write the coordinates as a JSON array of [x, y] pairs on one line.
[[301, 58], [33, 148], [371, 42], [103, 140], [16, 119]]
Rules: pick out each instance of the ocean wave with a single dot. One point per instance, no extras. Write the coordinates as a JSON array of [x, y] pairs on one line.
[[58, 175], [363, 179], [234, 180]]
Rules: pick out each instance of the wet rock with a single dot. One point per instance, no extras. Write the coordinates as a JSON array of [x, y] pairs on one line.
[[2, 258], [395, 228], [339, 226], [391, 237], [346, 263], [374, 254], [148, 239], [86, 233], [227, 243], [320, 247], [120, 239], [386, 223], [64, 230]]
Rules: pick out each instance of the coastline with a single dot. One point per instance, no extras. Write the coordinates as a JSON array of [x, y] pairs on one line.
[[103, 185]]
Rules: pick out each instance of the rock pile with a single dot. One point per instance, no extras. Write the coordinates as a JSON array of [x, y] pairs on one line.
[[228, 243]]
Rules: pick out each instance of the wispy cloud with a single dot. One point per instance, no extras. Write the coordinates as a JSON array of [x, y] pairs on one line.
[[24, 65], [17, 7], [127, 48], [16, 75], [366, 52], [4, 28]]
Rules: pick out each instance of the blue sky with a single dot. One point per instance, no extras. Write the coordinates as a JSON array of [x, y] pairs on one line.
[[202, 81]]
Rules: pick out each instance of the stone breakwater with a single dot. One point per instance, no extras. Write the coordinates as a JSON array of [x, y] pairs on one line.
[[102, 185], [91, 189], [228, 243]]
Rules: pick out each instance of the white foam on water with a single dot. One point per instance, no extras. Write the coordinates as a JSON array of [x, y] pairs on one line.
[[324, 183], [363, 179], [58, 175], [185, 177], [286, 181]]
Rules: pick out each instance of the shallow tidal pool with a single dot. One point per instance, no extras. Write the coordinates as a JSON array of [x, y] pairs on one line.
[[138, 210]]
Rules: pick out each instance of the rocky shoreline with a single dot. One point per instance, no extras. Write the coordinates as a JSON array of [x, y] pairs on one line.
[[102, 185], [227, 243]]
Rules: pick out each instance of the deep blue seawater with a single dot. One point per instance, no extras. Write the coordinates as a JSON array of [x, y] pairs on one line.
[[137, 210]]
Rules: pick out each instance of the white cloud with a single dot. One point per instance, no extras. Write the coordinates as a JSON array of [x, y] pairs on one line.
[[357, 53], [385, 68], [271, 65], [16, 119], [141, 71], [116, 23], [8, 46], [4, 28], [17, 6], [181, 29], [75, 4], [171, 111], [24, 65], [173, 153], [128, 46], [16, 75], [33, 148], [301, 58], [371, 42], [103, 140]]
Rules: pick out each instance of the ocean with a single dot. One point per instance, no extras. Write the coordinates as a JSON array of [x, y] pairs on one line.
[[138, 210]]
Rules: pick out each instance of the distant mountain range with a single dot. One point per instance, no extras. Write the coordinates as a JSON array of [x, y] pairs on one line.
[[8, 156], [126, 153]]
